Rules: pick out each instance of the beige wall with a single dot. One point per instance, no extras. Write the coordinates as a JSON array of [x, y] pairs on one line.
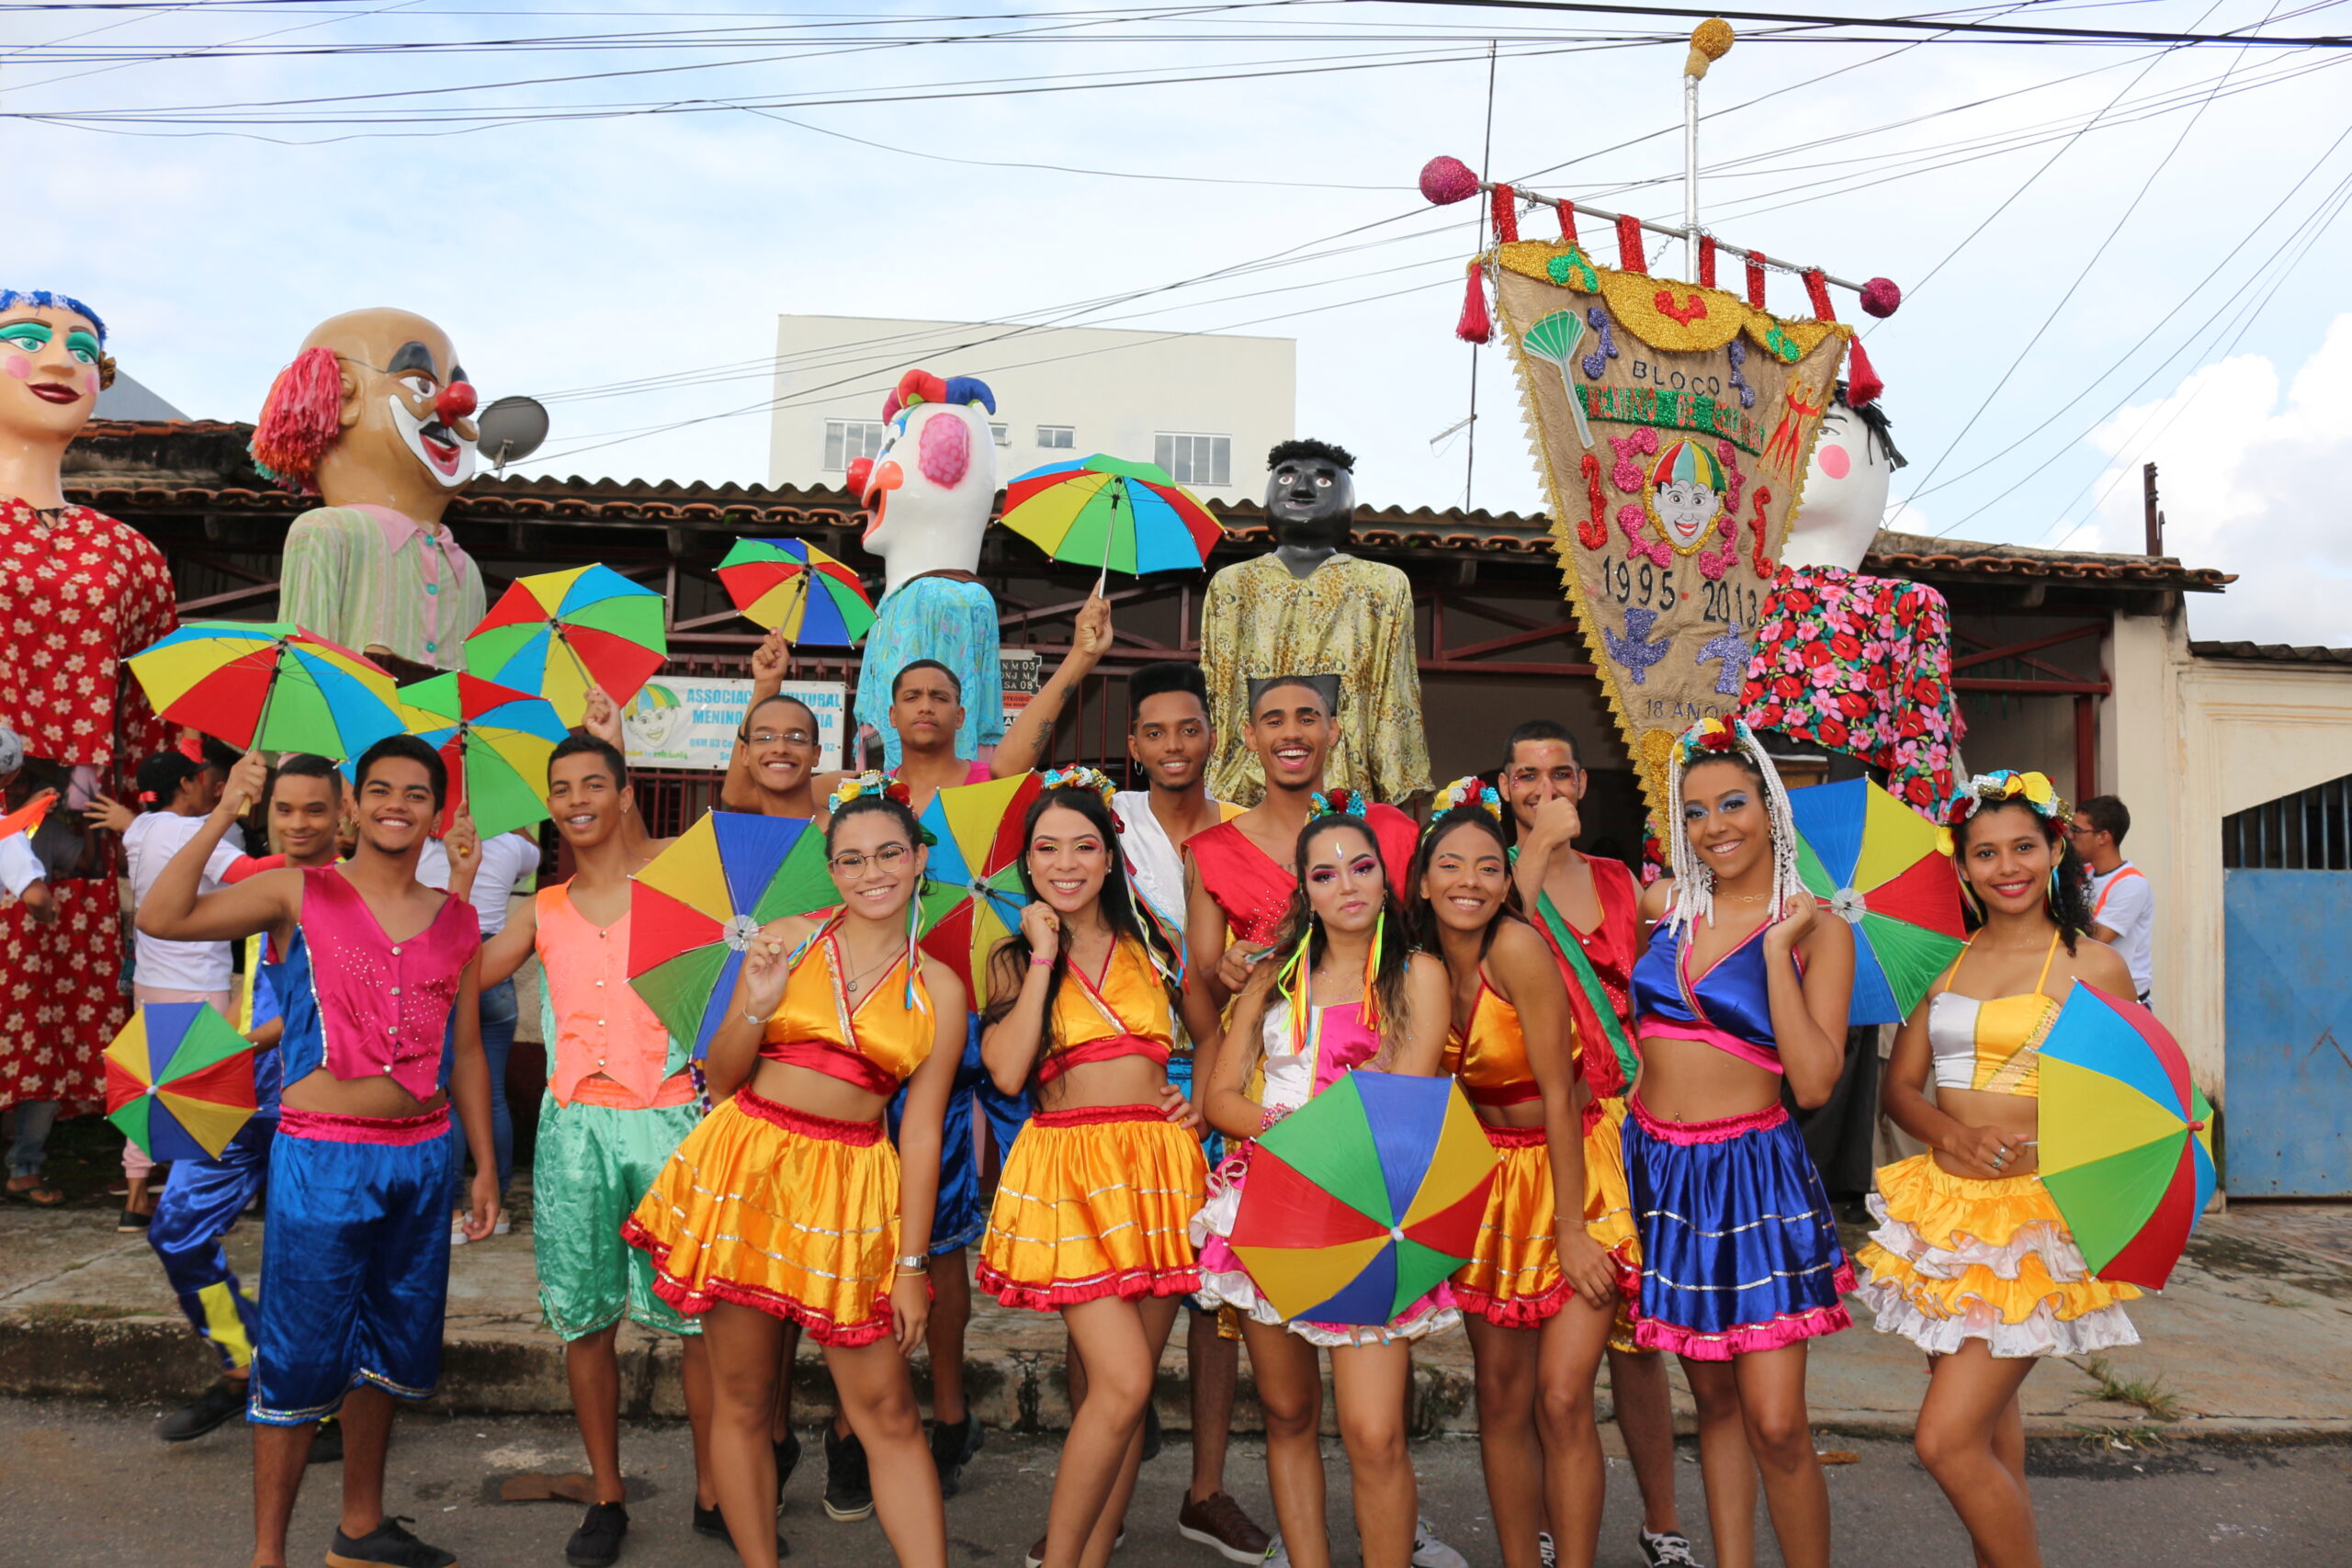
[[1117, 390]]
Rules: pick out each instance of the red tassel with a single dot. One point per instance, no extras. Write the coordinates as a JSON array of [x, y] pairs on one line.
[[1817, 288], [1756, 279], [1567, 210], [1862, 383], [300, 418], [1506, 215], [1474, 326], [1706, 261], [1628, 244]]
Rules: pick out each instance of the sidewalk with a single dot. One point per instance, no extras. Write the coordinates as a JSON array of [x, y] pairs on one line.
[[2253, 1339]]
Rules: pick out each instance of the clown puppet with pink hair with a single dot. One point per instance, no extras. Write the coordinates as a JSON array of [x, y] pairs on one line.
[[927, 495], [374, 417]]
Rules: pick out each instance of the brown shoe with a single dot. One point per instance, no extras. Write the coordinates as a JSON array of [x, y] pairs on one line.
[[1217, 1522]]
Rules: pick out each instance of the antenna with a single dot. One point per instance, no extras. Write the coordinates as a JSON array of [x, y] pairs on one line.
[[510, 430]]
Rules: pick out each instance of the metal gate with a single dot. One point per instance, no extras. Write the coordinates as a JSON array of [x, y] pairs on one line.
[[2289, 1015]]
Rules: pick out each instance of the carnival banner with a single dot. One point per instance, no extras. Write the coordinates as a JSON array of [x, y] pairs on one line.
[[1672, 424]]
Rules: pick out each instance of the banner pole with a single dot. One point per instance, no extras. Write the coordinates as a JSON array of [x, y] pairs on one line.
[[1691, 178]]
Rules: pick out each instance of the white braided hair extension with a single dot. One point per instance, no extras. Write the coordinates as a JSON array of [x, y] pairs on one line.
[[1694, 885]]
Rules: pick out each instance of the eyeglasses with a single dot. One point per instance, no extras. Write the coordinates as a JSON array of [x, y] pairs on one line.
[[780, 736], [890, 857]]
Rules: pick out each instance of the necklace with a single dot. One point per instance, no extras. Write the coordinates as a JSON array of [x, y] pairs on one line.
[[854, 982], [1744, 897]]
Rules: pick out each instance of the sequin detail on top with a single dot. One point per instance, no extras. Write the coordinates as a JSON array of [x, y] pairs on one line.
[[1490, 1055], [1126, 1015], [364, 1006], [1247, 885], [1992, 1044], [876, 1045], [604, 1029]]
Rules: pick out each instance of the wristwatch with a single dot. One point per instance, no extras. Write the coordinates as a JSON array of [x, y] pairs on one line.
[[914, 1263]]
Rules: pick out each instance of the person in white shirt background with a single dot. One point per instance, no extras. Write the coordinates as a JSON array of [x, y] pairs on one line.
[[509, 863], [2123, 907], [22, 876]]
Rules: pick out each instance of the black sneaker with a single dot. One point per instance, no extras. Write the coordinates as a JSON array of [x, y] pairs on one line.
[[597, 1542], [224, 1400], [132, 1222], [1668, 1551], [1150, 1430], [787, 1460], [953, 1444], [326, 1448], [849, 1489], [388, 1545], [712, 1523]]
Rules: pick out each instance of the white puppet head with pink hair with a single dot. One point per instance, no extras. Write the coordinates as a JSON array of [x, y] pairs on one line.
[[929, 491]]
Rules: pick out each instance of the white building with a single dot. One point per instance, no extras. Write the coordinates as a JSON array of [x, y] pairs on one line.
[[1203, 406]]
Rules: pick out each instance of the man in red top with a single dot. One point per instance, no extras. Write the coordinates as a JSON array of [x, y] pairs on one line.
[[1587, 911]]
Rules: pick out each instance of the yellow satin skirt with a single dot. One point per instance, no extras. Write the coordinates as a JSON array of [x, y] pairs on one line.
[[1513, 1281], [765, 1206], [1094, 1202], [1954, 1259], [1609, 1207]]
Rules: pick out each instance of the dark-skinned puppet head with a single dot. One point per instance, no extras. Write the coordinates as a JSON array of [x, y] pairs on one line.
[[375, 411], [1310, 495]]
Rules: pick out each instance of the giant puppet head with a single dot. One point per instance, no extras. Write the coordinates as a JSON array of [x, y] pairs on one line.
[[53, 364], [375, 411], [1310, 495], [928, 493], [1854, 460]]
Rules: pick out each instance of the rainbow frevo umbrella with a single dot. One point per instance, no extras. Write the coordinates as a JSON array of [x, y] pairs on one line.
[[696, 906], [1887, 872], [269, 684], [557, 634], [789, 585], [1359, 1203], [179, 1080], [495, 742], [972, 898], [1115, 515], [2127, 1140]]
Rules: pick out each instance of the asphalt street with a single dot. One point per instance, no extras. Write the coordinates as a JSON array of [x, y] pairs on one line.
[[86, 1487]]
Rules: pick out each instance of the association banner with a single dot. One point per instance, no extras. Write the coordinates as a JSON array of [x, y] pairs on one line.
[[690, 721], [1672, 424]]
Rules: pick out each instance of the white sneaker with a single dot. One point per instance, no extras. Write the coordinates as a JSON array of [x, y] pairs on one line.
[[1277, 1557], [1430, 1552], [458, 1236], [1551, 1553]]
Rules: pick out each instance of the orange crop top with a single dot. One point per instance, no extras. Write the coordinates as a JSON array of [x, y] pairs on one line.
[[876, 1045], [1490, 1056], [1126, 1013]]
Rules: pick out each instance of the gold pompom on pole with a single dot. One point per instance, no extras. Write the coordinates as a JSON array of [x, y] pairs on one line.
[[1709, 42]]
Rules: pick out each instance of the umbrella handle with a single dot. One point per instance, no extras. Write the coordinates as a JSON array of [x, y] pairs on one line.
[[1118, 493]]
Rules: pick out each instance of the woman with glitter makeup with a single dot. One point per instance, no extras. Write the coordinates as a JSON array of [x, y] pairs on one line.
[[1743, 987]]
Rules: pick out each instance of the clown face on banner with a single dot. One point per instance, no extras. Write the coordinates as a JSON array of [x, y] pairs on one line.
[[1672, 424]]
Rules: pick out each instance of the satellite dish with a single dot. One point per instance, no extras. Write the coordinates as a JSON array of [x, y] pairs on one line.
[[510, 430]]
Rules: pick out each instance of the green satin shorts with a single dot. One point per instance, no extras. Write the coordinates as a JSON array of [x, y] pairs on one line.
[[592, 1163]]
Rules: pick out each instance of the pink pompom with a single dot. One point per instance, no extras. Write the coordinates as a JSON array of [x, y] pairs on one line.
[[1881, 297], [1445, 181]]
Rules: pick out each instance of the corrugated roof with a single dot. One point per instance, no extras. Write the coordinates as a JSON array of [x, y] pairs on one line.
[[2272, 653]]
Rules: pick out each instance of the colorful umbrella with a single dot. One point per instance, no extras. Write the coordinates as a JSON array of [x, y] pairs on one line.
[[495, 742], [2127, 1141], [696, 906], [269, 684], [1361, 1200], [179, 1080], [1117, 515], [27, 816], [973, 898], [557, 634], [792, 586], [1887, 872]]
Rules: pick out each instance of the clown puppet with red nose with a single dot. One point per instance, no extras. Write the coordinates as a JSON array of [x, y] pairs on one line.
[[375, 417], [927, 496]]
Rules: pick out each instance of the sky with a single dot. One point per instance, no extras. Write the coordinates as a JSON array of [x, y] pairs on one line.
[[2111, 252]]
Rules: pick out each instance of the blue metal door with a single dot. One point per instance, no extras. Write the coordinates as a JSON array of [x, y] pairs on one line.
[[2289, 1014]]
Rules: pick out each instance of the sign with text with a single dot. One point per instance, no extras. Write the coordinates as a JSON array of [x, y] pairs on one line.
[[690, 722]]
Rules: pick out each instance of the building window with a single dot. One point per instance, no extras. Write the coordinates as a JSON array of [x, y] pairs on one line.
[[1002, 435], [847, 440], [1057, 438], [1197, 459]]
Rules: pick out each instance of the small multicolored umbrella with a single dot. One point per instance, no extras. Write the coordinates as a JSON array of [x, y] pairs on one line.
[[1887, 872], [696, 906], [28, 816], [1360, 1202], [495, 742], [791, 586], [974, 899], [557, 634], [2127, 1141], [1107, 513], [269, 684], [179, 1080]]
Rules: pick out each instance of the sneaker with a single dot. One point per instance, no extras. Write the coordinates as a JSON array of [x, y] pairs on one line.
[[1035, 1556], [132, 1222], [597, 1542], [326, 1448], [953, 1444], [388, 1545], [787, 1460], [1666, 1551], [712, 1523], [849, 1489], [1545, 1549], [458, 1236], [1217, 1522], [224, 1400], [1430, 1552], [1277, 1557]]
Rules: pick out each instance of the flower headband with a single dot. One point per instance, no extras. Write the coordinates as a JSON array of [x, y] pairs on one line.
[[2009, 788], [1092, 780], [1336, 803], [858, 785], [1711, 738], [1464, 792]]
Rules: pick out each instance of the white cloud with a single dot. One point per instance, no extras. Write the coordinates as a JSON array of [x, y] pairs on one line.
[[2247, 481]]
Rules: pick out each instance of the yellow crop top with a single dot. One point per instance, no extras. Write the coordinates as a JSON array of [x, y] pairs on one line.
[[1992, 1044], [1126, 1013], [876, 1045], [1490, 1056]]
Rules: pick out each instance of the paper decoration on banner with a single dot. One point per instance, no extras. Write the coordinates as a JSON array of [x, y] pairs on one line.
[[1671, 424]]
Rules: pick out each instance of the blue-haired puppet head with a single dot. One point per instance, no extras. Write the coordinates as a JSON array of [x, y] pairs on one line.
[[49, 299]]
